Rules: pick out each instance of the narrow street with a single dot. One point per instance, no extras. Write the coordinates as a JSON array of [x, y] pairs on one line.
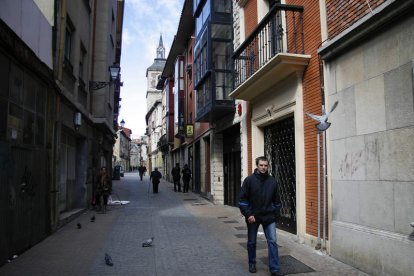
[[192, 236]]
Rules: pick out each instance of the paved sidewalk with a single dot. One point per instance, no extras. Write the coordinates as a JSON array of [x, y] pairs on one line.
[[192, 236]]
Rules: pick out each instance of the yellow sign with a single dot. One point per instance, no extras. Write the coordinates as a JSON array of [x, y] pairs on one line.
[[189, 131]]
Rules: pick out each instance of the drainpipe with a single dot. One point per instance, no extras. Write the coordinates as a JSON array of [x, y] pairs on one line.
[[249, 137], [324, 188], [318, 148], [322, 93]]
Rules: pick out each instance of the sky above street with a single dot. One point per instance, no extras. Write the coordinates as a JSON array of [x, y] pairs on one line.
[[144, 22]]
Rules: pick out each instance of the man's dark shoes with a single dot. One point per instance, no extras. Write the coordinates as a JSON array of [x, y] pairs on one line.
[[276, 273], [252, 268]]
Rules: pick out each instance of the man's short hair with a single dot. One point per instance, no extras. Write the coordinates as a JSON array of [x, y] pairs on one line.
[[261, 158], [177, 164]]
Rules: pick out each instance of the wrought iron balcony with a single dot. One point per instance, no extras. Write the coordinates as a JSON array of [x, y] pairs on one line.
[[277, 39]]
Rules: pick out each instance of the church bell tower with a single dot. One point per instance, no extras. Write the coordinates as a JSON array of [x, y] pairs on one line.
[[160, 49]]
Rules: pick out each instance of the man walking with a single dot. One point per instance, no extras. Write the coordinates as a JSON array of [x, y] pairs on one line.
[[260, 205], [186, 178], [176, 174], [155, 179], [141, 170]]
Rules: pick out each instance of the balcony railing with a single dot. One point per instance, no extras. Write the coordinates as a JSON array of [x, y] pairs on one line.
[[280, 31]]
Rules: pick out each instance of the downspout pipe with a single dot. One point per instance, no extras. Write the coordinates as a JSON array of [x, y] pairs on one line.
[[318, 148], [324, 189]]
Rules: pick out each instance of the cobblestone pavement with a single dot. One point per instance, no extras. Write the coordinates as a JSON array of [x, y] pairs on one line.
[[192, 236]]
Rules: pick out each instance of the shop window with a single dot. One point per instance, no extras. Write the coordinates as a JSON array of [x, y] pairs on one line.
[[26, 108], [28, 127], [4, 76], [41, 100], [29, 93], [40, 130], [16, 85]]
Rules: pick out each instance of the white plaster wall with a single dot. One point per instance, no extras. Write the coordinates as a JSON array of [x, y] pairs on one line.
[[372, 153], [116, 147], [243, 141], [217, 174], [30, 23], [286, 99]]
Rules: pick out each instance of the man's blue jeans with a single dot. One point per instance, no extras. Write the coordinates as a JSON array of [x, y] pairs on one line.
[[270, 233]]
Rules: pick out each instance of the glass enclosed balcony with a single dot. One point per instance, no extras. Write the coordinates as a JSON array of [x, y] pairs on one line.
[[213, 64]]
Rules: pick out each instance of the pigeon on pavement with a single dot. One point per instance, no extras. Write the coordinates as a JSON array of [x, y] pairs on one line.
[[93, 219], [148, 243], [323, 119], [79, 225], [108, 260]]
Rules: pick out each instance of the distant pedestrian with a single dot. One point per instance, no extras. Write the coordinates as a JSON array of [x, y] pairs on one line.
[[176, 174], [141, 170], [155, 179], [103, 188], [260, 205], [186, 177]]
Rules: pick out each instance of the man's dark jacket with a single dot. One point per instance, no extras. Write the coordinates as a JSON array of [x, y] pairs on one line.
[[176, 173], [259, 197], [155, 176]]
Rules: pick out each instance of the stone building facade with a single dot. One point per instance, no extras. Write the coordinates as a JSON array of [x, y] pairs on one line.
[[58, 128], [368, 67], [28, 98]]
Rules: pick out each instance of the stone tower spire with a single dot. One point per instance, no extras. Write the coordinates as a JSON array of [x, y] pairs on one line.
[[161, 49]]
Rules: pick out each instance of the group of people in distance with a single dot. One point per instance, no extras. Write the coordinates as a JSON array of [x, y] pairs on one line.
[[176, 173]]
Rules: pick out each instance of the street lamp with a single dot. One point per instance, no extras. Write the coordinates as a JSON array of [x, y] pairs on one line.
[[114, 75], [122, 123]]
